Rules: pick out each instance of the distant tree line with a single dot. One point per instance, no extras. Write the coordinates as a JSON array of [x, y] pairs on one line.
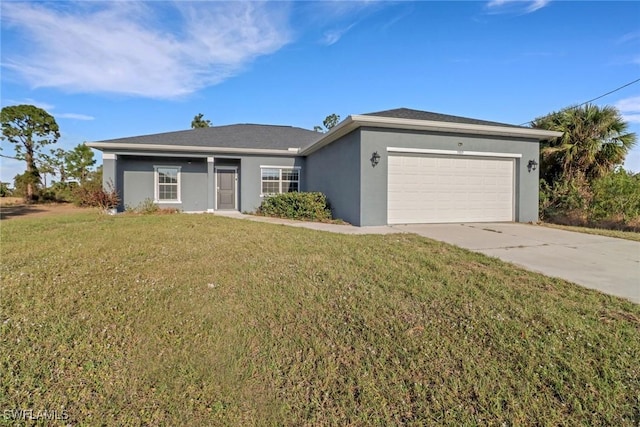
[[30, 129]]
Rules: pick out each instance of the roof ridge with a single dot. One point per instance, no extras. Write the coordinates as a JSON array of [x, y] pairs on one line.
[[409, 113]]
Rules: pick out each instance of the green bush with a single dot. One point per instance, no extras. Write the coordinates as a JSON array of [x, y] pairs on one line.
[[616, 195], [562, 198], [61, 191], [4, 190], [21, 181], [296, 205], [612, 201]]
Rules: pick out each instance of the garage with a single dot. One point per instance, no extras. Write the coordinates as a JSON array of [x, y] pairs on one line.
[[441, 188]]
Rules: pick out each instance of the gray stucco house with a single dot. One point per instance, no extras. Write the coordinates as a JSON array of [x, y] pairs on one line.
[[389, 167]]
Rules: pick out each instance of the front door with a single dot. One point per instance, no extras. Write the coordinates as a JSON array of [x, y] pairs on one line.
[[226, 188]]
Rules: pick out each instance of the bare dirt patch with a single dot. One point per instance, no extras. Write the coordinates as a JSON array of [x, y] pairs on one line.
[[13, 209]]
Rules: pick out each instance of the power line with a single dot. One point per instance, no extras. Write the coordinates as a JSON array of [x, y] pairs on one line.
[[594, 99]]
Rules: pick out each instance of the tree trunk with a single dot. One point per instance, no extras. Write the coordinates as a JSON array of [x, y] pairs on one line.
[[30, 170]]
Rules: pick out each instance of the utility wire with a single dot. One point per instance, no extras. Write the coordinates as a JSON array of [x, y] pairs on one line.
[[591, 100]]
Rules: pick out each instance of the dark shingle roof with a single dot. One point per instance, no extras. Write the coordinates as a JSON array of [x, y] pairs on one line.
[[406, 113], [232, 136]]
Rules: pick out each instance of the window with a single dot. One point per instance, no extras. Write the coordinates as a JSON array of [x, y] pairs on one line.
[[279, 179], [167, 184]]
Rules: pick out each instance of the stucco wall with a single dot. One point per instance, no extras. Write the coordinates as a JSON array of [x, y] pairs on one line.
[[250, 177], [135, 178], [373, 197], [335, 171]]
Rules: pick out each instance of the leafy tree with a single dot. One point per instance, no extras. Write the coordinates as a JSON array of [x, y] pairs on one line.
[[199, 122], [29, 128], [595, 140], [78, 162], [4, 189], [58, 160], [329, 122], [45, 167]]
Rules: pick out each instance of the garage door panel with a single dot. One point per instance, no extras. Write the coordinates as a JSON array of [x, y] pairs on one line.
[[430, 188]]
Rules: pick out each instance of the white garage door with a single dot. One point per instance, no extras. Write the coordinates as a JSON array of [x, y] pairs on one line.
[[434, 189]]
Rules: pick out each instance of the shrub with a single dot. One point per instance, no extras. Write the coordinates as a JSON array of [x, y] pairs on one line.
[[147, 206], [62, 191], [611, 201], [296, 205], [94, 196], [616, 195], [21, 181], [562, 198], [4, 190]]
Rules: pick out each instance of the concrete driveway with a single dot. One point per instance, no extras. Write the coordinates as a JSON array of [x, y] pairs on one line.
[[607, 264]]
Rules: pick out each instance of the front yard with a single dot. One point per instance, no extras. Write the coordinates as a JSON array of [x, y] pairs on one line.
[[202, 320]]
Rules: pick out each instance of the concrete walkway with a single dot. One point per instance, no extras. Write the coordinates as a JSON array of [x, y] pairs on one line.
[[606, 264]]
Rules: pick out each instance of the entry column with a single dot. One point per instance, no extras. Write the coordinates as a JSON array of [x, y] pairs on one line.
[[210, 185]]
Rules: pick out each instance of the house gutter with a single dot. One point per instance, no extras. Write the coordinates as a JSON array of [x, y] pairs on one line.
[[353, 122], [110, 146]]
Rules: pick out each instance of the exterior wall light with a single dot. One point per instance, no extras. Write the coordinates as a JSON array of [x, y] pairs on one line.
[[532, 165], [375, 159]]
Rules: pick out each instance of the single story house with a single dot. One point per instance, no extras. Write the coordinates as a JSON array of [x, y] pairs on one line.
[[390, 167]]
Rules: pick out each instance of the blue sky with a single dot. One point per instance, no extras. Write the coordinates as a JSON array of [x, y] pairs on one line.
[[116, 69]]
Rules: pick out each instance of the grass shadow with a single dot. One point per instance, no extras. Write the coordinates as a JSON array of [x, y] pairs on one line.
[[8, 212]]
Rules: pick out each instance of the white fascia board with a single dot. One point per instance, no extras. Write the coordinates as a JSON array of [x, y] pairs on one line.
[[452, 152], [353, 122], [188, 148], [343, 128], [436, 126]]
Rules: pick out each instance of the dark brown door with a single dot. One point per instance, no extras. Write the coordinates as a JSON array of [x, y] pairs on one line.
[[226, 179]]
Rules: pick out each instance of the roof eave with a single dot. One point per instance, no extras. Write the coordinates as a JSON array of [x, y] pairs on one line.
[[113, 146], [353, 122]]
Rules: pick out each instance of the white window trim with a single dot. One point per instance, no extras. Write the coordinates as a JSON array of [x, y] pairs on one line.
[[156, 184], [298, 168]]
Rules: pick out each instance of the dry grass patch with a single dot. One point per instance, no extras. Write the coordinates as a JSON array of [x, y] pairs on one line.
[[627, 235], [204, 320]]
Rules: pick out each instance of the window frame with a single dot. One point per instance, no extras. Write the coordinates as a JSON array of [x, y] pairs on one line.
[[157, 183], [280, 180]]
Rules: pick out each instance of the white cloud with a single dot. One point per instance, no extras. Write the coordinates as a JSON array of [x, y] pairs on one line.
[[629, 104], [28, 101], [74, 116], [537, 4], [156, 49], [497, 6], [631, 118], [48, 108], [630, 109], [333, 36], [629, 37]]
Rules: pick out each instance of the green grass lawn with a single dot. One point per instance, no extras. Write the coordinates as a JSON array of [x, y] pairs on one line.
[[202, 320], [627, 235]]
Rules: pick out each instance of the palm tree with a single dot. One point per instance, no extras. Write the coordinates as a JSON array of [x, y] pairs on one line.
[[594, 141], [200, 122]]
